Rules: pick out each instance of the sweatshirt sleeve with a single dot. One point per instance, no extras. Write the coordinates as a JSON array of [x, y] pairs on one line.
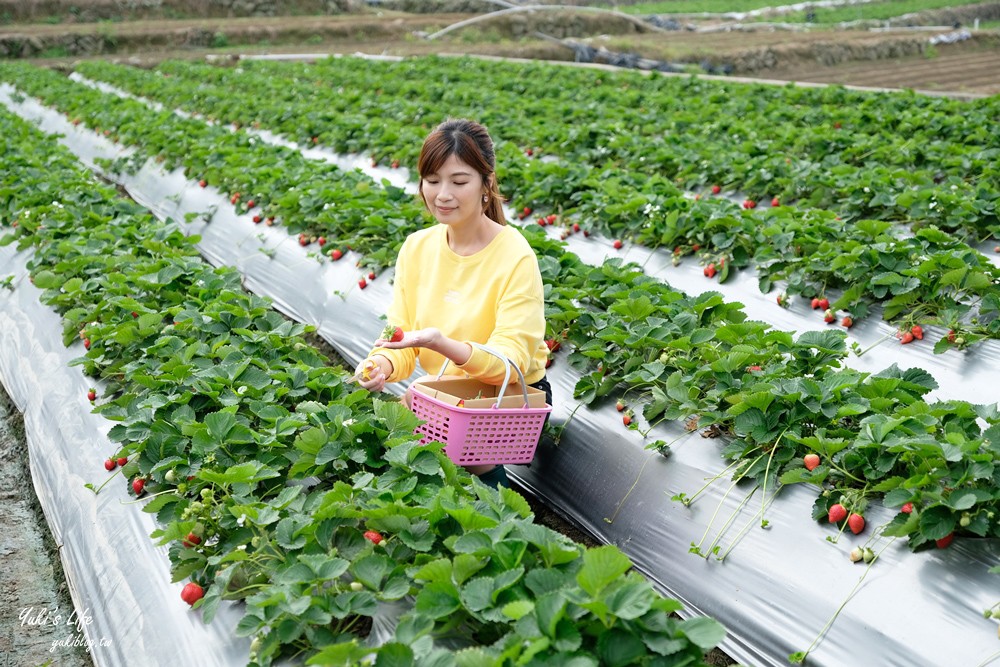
[[400, 313], [520, 325]]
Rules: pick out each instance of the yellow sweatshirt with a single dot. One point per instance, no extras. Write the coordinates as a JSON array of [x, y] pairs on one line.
[[493, 297]]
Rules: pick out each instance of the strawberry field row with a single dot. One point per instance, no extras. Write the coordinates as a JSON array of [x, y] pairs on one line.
[[899, 157], [703, 363], [929, 277], [278, 484]]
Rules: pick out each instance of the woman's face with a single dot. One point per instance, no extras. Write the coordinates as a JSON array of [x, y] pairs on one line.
[[454, 193]]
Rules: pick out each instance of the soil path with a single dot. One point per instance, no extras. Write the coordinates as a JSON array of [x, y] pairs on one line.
[[36, 612]]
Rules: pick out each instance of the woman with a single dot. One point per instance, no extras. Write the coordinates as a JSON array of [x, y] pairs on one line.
[[470, 278]]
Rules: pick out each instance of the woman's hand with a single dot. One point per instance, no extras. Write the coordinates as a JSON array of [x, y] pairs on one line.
[[429, 338], [373, 372]]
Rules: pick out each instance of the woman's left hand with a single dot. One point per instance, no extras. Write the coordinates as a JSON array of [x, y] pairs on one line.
[[428, 338]]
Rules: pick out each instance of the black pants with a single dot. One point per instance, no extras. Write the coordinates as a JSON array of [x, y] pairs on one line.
[[544, 385]]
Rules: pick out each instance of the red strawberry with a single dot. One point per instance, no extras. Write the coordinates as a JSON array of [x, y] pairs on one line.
[[917, 331], [856, 523], [716, 189], [122, 460], [617, 244], [257, 218], [696, 247], [709, 271], [110, 464], [551, 219], [529, 152], [848, 322], [553, 344], [373, 536], [192, 592], [526, 211], [541, 222], [392, 333], [138, 484], [829, 317], [619, 406], [823, 303], [907, 337], [303, 240], [321, 241], [395, 164], [191, 540], [749, 203], [750, 369], [134, 314], [627, 419], [335, 254], [837, 513], [815, 302], [91, 395], [945, 541], [586, 233], [775, 202], [811, 461], [86, 343], [371, 275], [250, 204], [362, 283], [951, 336], [907, 508], [203, 182], [576, 226]]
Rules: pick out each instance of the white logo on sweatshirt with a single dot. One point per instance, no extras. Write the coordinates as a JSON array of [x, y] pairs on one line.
[[453, 296]]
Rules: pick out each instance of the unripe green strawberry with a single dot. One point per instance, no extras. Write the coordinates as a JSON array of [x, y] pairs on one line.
[[868, 555]]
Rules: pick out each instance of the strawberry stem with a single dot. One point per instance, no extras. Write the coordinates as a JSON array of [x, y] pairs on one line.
[[746, 527], [802, 656], [687, 501], [767, 469], [632, 488], [732, 518]]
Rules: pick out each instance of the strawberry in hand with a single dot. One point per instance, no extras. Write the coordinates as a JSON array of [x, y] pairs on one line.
[[392, 333]]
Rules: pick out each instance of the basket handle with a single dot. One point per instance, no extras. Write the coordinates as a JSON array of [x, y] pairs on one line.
[[506, 378]]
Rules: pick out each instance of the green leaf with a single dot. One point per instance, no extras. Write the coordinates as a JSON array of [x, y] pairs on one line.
[[601, 566], [617, 648], [437, 600], [631, 600], [936, 522], [518, 608], [705, 633], [394, 654], [961, 501]]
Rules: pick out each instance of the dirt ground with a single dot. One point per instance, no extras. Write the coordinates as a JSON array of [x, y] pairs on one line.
[[35, 607], [897, 59]]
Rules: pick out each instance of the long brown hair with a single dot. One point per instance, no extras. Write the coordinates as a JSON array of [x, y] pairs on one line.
[[471, 143]]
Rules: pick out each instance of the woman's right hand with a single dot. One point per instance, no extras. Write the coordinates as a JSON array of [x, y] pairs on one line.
[[373, 372]]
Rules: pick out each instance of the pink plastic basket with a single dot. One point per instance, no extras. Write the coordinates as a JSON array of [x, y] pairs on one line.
[[482, 435]]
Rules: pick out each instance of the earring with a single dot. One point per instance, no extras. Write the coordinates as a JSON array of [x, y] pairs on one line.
[[486, 198]]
